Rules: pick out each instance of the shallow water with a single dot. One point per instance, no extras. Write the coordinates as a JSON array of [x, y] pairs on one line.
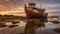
[[48, 29]]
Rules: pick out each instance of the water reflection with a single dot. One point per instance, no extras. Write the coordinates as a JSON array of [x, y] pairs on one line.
[[57, 30], [37, 27], [2, 25], [32, 26], [12, 26]]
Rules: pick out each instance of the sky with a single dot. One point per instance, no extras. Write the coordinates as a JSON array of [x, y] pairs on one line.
[[16, 7]]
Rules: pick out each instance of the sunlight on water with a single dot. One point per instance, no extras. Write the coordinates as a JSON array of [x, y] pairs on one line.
[[9, 23], [49, 26], [22, 23]]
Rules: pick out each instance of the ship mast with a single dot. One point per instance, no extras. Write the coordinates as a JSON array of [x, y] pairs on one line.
[[40, 5]]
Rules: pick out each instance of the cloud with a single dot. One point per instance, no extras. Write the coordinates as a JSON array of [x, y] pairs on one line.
[[13, 5], [9, 4], [55, 7], [50, 1]]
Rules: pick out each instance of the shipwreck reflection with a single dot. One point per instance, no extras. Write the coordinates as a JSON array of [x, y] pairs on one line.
[[31, 25]]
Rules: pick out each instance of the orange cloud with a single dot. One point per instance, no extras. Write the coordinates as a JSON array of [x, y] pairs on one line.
[[19, 11]]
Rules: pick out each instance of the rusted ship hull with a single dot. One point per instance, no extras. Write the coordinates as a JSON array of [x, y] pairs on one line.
[[34, 15]]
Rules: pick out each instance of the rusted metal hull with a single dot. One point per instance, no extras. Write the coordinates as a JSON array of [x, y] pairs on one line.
[[34, 15]]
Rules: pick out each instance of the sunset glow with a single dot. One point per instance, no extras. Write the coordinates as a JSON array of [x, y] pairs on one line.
[[17, 6]]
